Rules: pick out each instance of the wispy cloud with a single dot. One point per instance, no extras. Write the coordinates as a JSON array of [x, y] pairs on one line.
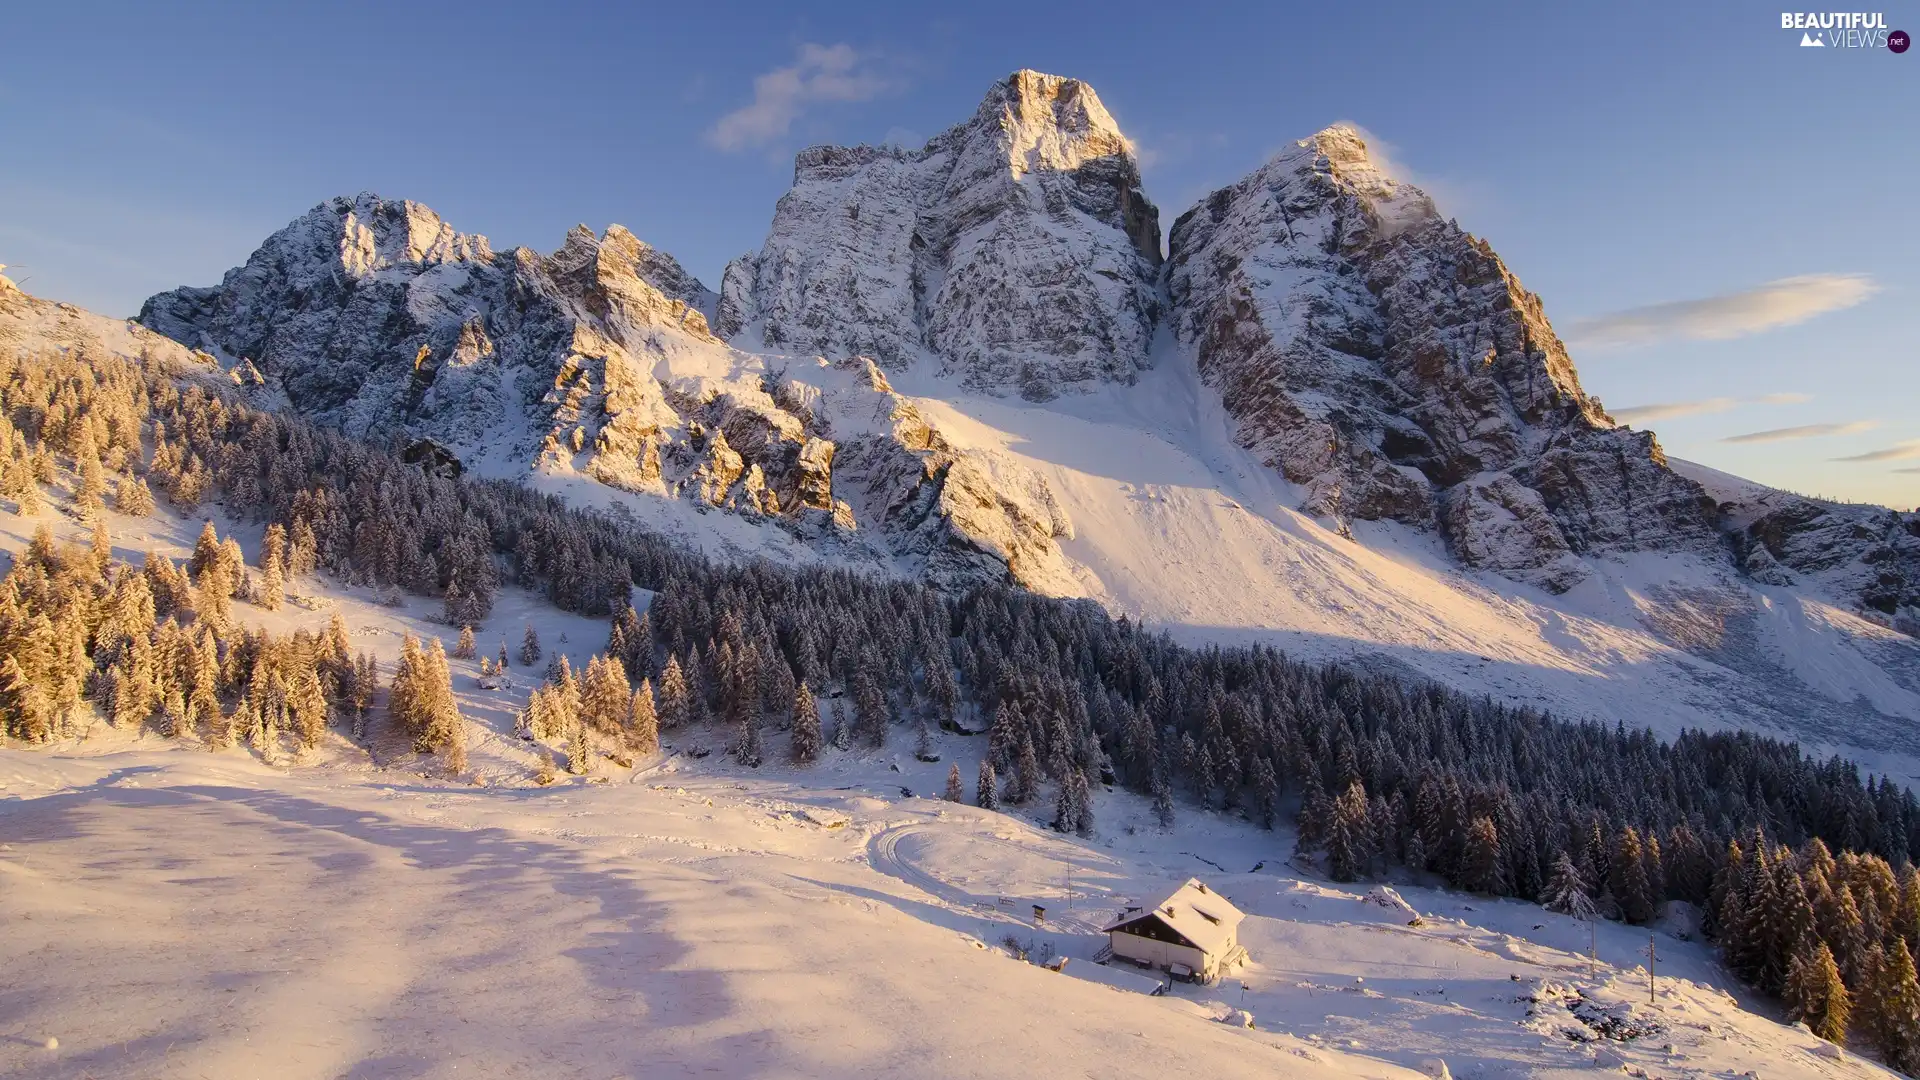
[[1904, 451], [1717, 318], [1673, 410], [1804, 431], [819, 73]]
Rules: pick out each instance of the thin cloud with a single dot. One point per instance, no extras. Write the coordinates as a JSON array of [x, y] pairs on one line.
[[1673, 410], [1732, 315], [819, 73], [1897, 452], [1804, 431]]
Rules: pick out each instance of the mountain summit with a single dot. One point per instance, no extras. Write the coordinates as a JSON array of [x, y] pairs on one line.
[[1390, 363], [1016, 249], [1381, 362]]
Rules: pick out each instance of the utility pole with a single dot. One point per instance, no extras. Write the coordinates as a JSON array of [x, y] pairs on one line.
[[1651, 958]]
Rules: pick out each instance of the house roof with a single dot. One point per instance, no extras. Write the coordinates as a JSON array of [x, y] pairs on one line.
[[1196, 913]]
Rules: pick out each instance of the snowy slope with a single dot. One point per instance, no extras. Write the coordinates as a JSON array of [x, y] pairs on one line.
[[683, 920], [178, 913], [1177, 525]]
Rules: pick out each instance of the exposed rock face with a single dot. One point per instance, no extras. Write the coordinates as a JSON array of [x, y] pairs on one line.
[[1390, 363], [377, 317], [1016, 248], [1869, 553]]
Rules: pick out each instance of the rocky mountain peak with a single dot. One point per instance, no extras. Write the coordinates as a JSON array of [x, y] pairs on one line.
[[1390, 363], [1015, 250], [1050, 122], [375, 234]]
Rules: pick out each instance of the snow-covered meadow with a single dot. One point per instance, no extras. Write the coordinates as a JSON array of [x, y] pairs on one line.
[[177, 913]]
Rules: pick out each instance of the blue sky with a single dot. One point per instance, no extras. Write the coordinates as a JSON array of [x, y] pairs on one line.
[[1619, 156]]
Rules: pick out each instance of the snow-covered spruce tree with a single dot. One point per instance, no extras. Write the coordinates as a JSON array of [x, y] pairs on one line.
[[956, 789], [986, 791], [606, 700], [675, 697], [1072, 808], [1348, 840], [1629, 883], [1567, 892], [842, 730], [464, 648], [1482, 866], [1815, 993], [869, 710], [1896, 1009], [132, 497], [750, 748], [1026, 774], [530, 650], [643, 725], [804, 746]]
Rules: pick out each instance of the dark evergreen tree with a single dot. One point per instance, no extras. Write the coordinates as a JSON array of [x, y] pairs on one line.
[[986, 793], [804, 747]]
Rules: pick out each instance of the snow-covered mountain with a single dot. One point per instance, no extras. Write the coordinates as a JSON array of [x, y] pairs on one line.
[[1330, 419], [1388, 361], [1015, 249]]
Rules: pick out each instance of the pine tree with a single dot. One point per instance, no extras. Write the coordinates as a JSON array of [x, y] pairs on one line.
[[750, 750], [1082, 823], [1815, 992], [1566, 892], [464, 649], [869, 710], [674, 704], [1160, 782], [530, 650], [132, 497], [308, 701], [643, 727], [1896, 1009], [92, 482], [804, 746], [986, 792], [841, 729], [1026, 774], [606, 700], [956, 790], [1348, 842], [1065, 811], [1629, 883], [1481, 863]]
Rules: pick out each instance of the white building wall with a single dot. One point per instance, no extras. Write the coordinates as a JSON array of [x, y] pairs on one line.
[[1160, 954]]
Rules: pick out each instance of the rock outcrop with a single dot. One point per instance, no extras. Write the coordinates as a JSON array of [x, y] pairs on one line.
[[1392, 365], [1868, 553], [1016, 249], [377, 317]]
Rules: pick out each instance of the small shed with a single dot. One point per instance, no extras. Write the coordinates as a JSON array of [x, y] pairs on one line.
[[1193, 934]]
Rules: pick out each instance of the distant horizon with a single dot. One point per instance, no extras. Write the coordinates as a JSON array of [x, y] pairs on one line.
[[1757, 316]]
